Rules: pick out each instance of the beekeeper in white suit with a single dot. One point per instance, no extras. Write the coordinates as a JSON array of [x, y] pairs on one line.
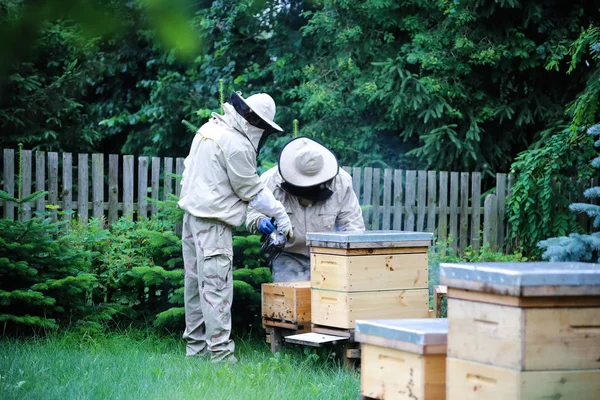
[[318, 197], [218, 183]]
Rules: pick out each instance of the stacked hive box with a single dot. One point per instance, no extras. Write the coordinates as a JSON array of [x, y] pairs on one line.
[[286, 305], [523, 330], [368, 275], [403, 359]]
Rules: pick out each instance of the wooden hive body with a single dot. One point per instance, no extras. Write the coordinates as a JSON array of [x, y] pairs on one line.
[[523, 330], [368, 275], [403, 359]]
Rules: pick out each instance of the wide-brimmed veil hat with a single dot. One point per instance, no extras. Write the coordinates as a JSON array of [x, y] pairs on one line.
[[304, 162], [261, 104]]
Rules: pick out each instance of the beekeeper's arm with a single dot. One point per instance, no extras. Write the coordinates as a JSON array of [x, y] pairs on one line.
[[350, 217], [241, 170]]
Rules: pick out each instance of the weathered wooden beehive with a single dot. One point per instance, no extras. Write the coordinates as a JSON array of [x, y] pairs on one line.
[[523, 330], [368, 275], [287, 305], [403, 358]]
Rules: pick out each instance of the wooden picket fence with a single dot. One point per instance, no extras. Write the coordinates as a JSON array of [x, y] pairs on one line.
[[450, 204]]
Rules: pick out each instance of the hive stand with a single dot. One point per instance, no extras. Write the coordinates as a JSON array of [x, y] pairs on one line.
[[364, 275], [523, 330], [403, 359]]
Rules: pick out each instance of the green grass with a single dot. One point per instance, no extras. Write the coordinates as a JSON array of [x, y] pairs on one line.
[[135, 365]]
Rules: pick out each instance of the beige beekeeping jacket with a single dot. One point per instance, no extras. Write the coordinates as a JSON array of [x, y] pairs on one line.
[[219, 178], [341, 212]]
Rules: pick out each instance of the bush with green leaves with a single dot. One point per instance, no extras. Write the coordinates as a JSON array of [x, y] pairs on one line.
[[44, 280]]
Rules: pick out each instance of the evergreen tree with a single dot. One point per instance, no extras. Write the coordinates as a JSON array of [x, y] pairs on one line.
[[43, 279]]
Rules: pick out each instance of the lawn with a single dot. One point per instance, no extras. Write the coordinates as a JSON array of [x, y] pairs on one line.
[[134, 365]]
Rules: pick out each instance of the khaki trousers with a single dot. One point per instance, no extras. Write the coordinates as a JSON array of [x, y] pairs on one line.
[[207, 257]]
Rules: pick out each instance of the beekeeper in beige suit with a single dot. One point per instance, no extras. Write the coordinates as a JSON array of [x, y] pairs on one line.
[[218, 183], [317, 196]]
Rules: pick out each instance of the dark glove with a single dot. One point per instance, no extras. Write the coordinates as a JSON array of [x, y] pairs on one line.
[[265, 226]]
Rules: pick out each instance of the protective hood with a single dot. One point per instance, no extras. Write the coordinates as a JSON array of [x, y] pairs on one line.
[[234, 120]]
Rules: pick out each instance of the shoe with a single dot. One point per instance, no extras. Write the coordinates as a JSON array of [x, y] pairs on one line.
[[230, 359]]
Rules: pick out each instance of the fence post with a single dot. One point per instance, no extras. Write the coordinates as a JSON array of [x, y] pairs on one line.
[[142, 187], [422, 200], [367, 193], [387, 199], [411, 181], [53, 183], [113, 187], [40, 179], [9, 182], [443, 207], [128, 179], [454, 210], [26, 180], [464, 208], [501, 200], [398, 199], [476, 209], [67, 184], [490, 220], [98, 185], [83, 195], [431, 200]]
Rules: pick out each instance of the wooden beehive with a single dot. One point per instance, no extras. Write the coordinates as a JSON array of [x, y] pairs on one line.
[[287, 303], [403, 358], [371, 274], [515, 326]]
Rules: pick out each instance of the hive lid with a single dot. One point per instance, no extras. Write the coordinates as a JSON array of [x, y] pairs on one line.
[[405, 334], [368, 239], [524, 279]]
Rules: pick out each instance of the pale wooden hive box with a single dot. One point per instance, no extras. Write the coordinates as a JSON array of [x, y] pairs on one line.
[[403, 358], [368, 275], [287, 302], [523, 330]]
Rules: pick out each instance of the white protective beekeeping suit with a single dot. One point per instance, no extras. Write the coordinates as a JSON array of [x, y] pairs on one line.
[[305, 163], [218, 183]]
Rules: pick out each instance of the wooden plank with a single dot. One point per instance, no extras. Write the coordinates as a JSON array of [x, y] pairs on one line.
[[490, 220], [386, 373], [453, 231], [525, 302], [443, 209], [40, 180], [9, 182], [356, 172], [313, 339], [431, 201], [509, 188], [53, 183], [113, 187], [398, 198], [83, 188], [128, 185], [178, 171], [369, 273], [422, 200], [387, 199], [501, 204], [26, 171], [155, 183], [411, 192], [341, 310], [464, 207], [328, 330], [376, 199], [368, 252], [168, 181], [475, 209], [97, 185], [142, 187], [67, 185], [367, 196], [467, 380]]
